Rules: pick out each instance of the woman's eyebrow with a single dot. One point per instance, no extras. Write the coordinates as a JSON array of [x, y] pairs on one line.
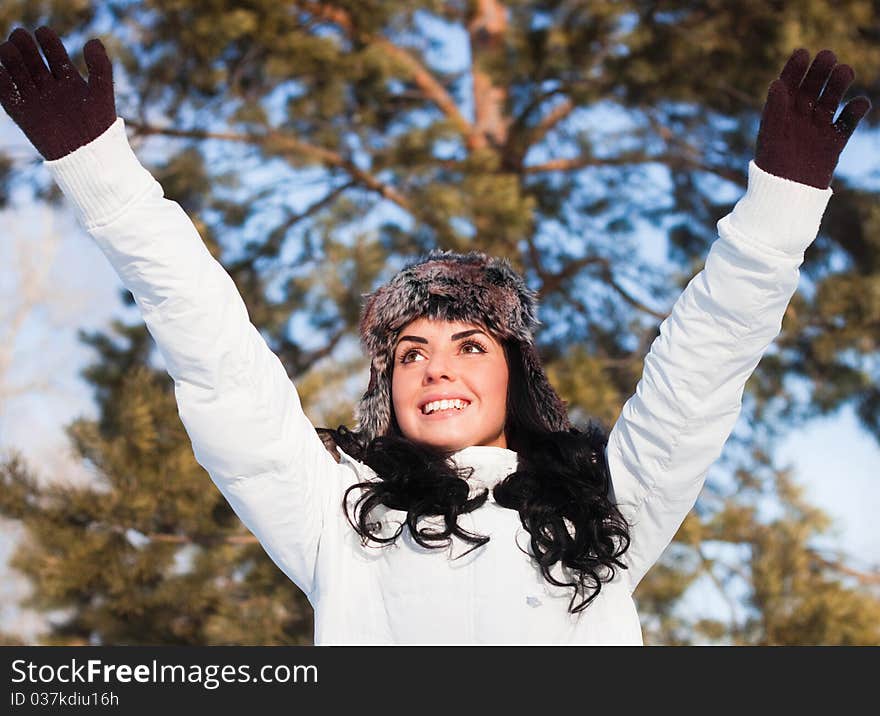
[[453, 337], [465, 334]]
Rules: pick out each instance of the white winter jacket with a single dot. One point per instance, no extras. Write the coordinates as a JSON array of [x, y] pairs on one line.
[[249, 432]]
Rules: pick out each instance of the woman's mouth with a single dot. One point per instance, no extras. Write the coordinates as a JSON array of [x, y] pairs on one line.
[[444, 408]]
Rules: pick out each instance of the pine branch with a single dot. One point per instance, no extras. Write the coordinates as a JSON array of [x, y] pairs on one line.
[[297, 364], [171, 538], [319, 353], [271, 246], [561, 111], [554, 117], [523, 117], [628, 297], [423, 78], [672, 160], [486, 31], [836, 564], [688, 155], [432, 89], [708, 569], [201, 540], [575, 163], [572, 267], [280, 143]]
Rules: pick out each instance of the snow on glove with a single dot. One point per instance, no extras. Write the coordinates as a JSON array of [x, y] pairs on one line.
[[56, 108], [797, 139]]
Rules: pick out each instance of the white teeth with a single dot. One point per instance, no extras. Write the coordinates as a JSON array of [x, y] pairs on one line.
[[429, 408]]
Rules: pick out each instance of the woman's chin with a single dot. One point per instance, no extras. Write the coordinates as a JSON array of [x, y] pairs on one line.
[[450, 444], [444, 439]]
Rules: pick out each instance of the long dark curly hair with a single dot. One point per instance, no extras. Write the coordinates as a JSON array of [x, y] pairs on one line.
[[560, 490]]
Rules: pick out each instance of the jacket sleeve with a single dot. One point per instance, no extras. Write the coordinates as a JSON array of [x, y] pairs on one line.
[[240, 409], [690, 394]]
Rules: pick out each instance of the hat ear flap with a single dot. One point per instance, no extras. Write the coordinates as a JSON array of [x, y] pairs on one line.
[[549, 406], [373, 412]]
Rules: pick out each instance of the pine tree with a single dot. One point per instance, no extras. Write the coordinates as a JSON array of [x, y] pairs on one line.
[[319, 145]]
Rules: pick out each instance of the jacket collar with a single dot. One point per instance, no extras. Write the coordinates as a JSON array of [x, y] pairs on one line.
[[491, 465]]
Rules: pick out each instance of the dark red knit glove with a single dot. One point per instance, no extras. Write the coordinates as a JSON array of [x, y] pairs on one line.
[[797, 139], [56, 108]]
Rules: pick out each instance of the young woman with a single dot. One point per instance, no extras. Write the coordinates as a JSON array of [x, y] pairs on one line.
[[464, 507]]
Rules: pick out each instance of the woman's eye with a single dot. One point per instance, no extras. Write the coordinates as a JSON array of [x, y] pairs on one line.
[[474, 344], [404, 358]]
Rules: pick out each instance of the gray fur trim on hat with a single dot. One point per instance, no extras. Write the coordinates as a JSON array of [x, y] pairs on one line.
[[444, 285]]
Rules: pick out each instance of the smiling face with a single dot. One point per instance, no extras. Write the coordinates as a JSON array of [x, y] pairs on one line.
[[437, 360]]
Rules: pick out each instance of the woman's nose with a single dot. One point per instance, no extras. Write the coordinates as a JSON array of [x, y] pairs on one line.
[[439, 367]]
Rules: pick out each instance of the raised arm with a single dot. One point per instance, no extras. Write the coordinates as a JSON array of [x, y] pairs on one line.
[[689, 397], [238, 406]]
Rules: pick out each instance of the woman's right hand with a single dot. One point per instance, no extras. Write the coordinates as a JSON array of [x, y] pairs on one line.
[[55, 107]]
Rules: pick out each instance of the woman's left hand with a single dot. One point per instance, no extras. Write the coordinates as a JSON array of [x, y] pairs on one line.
[[797, 139]]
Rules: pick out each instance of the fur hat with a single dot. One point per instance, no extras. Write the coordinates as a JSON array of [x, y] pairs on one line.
[[471, 288]]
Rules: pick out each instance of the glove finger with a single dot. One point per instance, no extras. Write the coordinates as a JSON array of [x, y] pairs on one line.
[[851, 115], [808, 94], [100, 67], [59, 61], [30, 54], [794, 69], [9, 96], [775, 109], [841, 78], [14, 64], [777, 95]]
